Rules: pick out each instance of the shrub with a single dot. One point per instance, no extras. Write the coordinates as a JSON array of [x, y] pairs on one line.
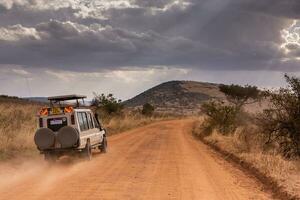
[[107, 105], [281, 122], [220, 117], [148, 109], [226, 118]]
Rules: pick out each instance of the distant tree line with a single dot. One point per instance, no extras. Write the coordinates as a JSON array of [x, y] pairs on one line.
[[8, 97], [109, 106]]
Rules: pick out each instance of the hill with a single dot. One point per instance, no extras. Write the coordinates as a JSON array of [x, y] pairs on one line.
[[37, 99], [19, 100], [184, 97]]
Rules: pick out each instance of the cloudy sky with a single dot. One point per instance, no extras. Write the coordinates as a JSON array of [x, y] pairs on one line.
[[52, 47]]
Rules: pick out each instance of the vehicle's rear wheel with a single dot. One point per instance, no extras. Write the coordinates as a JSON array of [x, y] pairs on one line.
[[50, 157], [103, 147], [87, 152]]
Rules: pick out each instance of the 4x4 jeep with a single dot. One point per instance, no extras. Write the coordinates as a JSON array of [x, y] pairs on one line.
[[65, 129]]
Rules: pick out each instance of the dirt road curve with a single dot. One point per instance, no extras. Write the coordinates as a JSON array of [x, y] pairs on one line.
[[159, 161]]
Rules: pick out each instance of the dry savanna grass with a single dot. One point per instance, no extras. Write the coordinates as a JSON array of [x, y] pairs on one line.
[[248, 144], [17, 127]]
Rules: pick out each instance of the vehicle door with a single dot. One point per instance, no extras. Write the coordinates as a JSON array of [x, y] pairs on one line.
[[99, 127], [86, 129], [96, 135]]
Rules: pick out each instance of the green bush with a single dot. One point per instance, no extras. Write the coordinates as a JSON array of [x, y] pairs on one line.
[[107, 105], [225, 118], [220, 117], [148, 109], [281, 122]]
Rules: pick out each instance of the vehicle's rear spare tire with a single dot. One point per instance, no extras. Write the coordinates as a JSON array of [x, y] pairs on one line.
[[44, 138], [67, 136]]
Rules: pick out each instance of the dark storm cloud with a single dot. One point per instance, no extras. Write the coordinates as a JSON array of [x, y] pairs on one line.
[[153, 3], [2, 9], [286, 8], [204, 34], [72, 45]]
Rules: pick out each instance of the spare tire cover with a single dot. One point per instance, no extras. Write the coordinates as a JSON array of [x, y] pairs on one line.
[[44, 138], [67, 136]]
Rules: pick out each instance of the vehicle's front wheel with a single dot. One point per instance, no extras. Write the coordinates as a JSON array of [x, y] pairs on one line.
[[103, 147], [87, 152]]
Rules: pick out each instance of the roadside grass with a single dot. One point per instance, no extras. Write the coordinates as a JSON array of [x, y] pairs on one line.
[[17, 126], [248, 145]]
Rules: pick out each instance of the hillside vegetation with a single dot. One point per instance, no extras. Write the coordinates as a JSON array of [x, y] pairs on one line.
[[183, 97], [269, 140]]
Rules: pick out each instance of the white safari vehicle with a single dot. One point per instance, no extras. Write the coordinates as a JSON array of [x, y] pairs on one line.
[[65, 129]]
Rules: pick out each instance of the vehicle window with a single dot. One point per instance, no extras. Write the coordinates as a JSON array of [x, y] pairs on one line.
[[91, 125], [85, 121], [80, 121]]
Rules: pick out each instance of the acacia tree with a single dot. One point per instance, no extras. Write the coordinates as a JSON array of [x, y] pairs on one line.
[[107, 104], [225, 117], [241, 95], [281, 122]]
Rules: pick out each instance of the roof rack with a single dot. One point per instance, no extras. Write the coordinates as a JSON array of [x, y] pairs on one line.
[[55, 99], [66, 97]]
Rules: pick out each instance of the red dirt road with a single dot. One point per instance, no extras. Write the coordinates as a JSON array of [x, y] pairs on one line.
[[158, 161]]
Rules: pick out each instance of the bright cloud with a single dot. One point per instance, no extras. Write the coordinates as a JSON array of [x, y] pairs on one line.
[[18, 32], [20, 71], [9, 3], [291, 37]]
